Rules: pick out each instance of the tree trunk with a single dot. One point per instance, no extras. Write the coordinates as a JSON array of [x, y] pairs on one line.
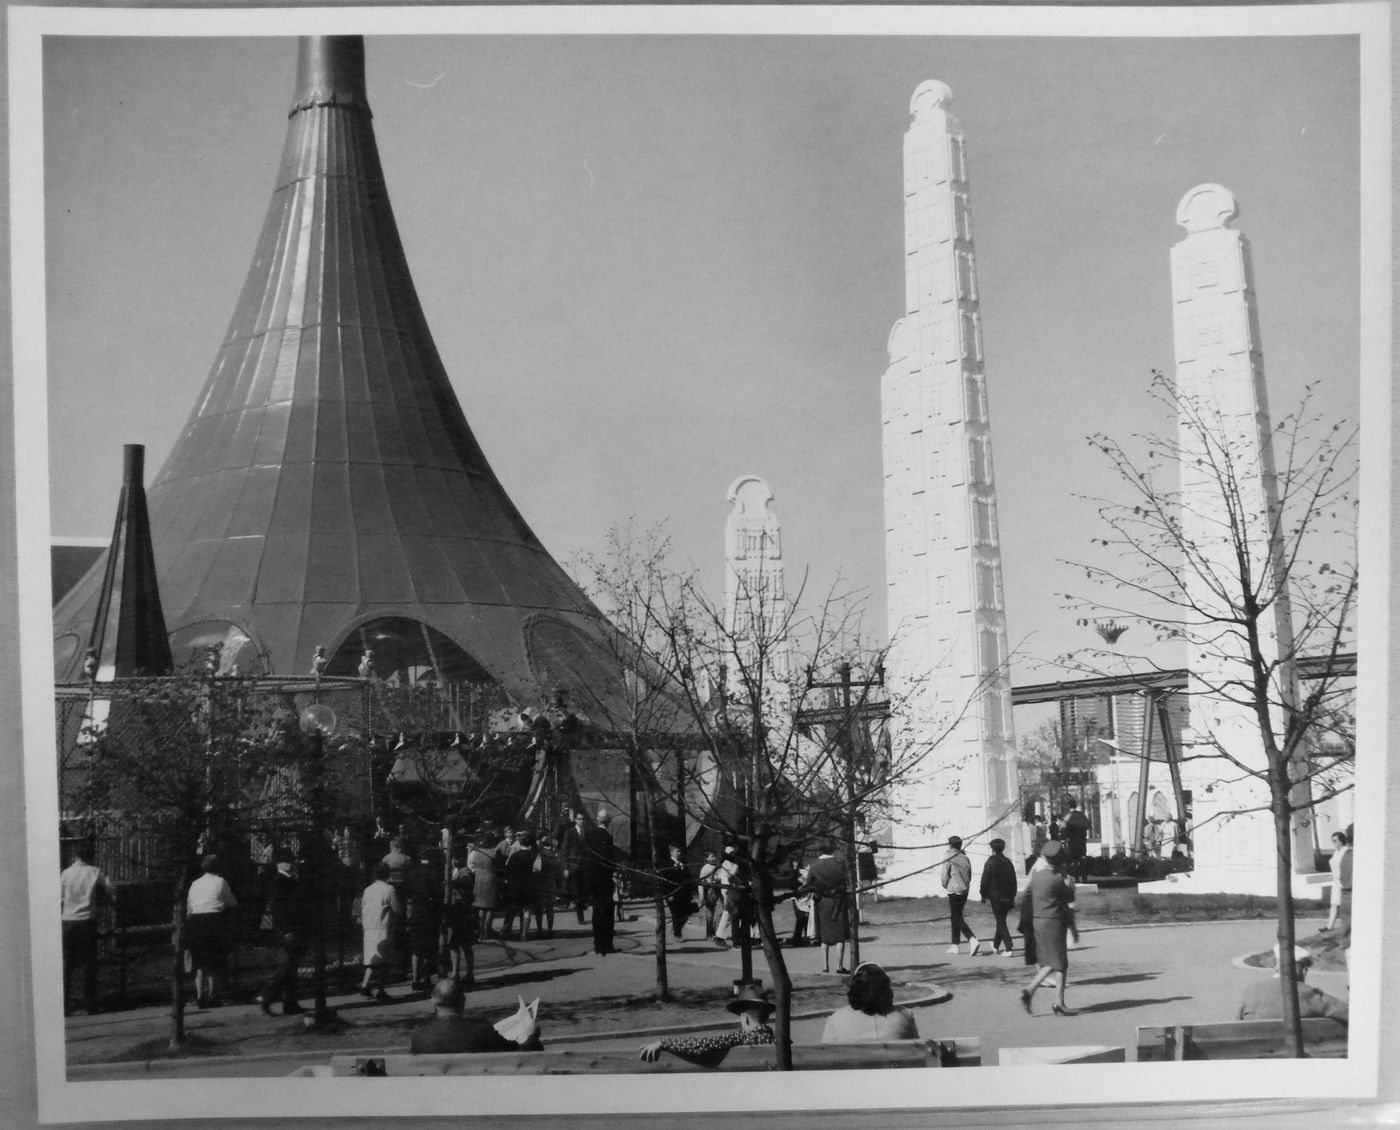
[[853, 891], [177, 965], [658, 900], [777, 968], [1287, 968]]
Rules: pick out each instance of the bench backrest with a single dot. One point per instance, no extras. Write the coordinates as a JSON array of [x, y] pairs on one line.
[[1323, 1038], [959, 1052]]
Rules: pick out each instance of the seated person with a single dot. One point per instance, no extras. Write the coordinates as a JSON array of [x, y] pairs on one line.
[[753, 1008], [871, 1016], [1263, 1000], [450, 1031]]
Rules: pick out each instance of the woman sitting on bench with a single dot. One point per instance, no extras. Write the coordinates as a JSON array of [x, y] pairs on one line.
[[753, 1008], [871, 1016]]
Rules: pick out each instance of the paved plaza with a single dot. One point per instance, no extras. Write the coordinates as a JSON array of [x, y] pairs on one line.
[[1120, 977]]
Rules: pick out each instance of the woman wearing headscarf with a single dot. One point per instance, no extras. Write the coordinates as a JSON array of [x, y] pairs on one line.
[[871, 1016], [1052, 903]]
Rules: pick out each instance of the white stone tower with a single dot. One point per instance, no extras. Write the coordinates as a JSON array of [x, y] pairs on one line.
[[1220, 373], [947, 667], [755, 593]]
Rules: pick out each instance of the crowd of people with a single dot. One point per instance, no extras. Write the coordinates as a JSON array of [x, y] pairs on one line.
[[423, 910]]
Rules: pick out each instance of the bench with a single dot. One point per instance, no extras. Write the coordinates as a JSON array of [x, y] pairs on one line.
[[1081, 1053], [959, 1052], [1323, 1038]]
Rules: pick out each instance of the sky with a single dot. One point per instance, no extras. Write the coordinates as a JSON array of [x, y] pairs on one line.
[[653, 264]]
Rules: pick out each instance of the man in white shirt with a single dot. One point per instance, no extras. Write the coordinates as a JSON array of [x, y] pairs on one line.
[[83, 888]]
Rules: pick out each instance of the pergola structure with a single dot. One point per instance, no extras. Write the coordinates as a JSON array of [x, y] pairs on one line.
[[1155, 688]]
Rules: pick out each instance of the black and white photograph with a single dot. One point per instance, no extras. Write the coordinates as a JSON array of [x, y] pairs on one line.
[[590, 561]]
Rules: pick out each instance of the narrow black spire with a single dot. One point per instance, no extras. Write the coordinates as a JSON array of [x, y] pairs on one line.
[[128, 630]]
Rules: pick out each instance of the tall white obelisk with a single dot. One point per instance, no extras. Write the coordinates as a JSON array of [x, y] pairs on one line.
[[1220, 375], [947, 670]]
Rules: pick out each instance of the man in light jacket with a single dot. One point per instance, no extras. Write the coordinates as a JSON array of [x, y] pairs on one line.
[[956, 876]]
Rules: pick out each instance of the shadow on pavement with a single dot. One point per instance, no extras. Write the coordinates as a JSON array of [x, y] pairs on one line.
[[1119, 979], [1116, 1006], [523, 977]]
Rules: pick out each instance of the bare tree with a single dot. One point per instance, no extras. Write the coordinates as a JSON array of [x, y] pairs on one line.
[[737, 681], [1256, 580], [636, 700]]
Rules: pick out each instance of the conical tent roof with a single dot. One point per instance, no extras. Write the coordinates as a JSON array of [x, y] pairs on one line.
[[327, 483]]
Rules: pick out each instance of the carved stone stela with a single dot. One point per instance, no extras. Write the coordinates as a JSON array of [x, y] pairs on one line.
[[1220, 367], [943, 557]]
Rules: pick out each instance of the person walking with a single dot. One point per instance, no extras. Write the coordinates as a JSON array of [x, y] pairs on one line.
[[209, 930], [826, 879], [422, 895], [679, 889], [481, 862], [1339, 908], [794, 881], [380, 911], [549, 881], [599, 864], [459, 916], [83, 889], [1052, 902], [286, 907], [711, 897], [955, 874], [571, 851], [1025, 925], [519, 885], [724, 878], [998, 890]]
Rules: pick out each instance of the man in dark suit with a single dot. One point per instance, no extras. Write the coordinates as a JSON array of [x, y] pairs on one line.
[[599, 863], [286, 906], [449, 1031], [570, 844]]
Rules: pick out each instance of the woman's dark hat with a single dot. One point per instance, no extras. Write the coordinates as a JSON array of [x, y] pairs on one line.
[[750, 996]]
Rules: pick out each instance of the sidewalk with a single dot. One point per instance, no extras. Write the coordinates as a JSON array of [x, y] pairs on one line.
[[1119, 978]]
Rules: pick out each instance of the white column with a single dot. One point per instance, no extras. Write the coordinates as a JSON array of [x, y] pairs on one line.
[[942, 555], [1220, 371]]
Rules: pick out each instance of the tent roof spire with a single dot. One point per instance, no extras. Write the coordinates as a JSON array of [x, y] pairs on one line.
[[327, 488], [330, 72]]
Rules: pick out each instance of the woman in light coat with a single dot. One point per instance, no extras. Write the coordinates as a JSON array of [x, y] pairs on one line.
[[380, 910]]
